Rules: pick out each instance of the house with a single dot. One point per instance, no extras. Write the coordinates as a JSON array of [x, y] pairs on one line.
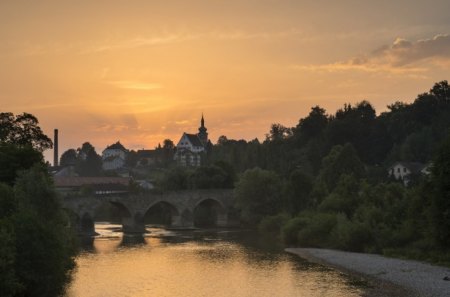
[[113, 156], [146, 157], [191, 147], [404, 170]]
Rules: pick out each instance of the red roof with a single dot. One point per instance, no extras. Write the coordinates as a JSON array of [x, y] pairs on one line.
[[78, 181]]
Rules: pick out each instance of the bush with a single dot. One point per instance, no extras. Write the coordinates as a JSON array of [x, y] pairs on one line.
[[316, 233], [348, 235], [290, 230], [273, 224]]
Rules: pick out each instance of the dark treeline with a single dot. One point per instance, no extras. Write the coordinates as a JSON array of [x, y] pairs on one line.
[[37, 245], [406, 132], [325, 182]]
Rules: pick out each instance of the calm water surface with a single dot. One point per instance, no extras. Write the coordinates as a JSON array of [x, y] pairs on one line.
[[202, 263]]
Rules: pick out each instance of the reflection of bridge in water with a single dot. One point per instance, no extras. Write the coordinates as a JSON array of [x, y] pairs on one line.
[[133, 208]]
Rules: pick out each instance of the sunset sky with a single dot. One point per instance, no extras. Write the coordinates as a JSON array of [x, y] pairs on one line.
[[143, 71]]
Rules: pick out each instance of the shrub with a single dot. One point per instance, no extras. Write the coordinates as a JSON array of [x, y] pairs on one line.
[[348, 235], [317, 231], [273, 224]]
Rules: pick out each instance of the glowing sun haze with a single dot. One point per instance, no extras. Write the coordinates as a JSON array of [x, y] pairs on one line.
[[143, 71]]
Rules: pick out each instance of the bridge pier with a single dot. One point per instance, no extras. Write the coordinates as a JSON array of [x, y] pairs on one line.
[[85, 224], [133, 224], [185, 220], [222, 220]]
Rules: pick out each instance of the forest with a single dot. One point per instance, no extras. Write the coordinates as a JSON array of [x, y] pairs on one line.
[[325, 182]]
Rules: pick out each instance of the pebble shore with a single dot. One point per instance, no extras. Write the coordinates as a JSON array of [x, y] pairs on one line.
[[388, 276]]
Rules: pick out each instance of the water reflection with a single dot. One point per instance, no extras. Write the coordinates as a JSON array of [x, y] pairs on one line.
[[195, 263]]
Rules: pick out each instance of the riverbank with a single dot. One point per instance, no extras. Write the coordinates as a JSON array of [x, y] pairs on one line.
[[386, 276]]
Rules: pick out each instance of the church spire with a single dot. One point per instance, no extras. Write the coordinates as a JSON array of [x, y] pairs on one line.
[[202, 134]]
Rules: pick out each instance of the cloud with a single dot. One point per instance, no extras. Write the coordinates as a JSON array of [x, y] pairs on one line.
[[401, 57], [139, 42], [403, 52], [114, 124], [135, 85], [178, 37]]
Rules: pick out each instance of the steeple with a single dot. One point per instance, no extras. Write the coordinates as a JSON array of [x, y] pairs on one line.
[[202, 134]]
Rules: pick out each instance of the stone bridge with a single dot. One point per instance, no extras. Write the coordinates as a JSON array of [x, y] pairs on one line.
[[133, 208]]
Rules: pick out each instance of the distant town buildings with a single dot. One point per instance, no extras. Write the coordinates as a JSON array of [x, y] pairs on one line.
[[118, 161], [191, 148], [113, 157]]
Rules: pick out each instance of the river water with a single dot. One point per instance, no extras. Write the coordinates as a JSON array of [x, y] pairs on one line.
[[205, 263]]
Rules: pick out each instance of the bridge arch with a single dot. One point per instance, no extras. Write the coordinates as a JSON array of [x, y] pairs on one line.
[[161, 212], [209, 212], [123, 209]]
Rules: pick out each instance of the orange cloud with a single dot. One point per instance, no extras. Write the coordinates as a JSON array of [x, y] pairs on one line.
[[401, 57]]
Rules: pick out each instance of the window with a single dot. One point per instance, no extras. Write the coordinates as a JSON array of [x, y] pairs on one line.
[[404, 169], [398, 170]]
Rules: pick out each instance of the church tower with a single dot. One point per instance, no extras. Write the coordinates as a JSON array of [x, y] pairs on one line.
[[202, 134]]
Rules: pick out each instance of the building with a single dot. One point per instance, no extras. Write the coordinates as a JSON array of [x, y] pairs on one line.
[[192, 147], [113, 157], [404, 170], [146, 157]]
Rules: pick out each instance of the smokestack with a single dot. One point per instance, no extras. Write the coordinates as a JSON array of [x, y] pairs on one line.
[[55, 148]]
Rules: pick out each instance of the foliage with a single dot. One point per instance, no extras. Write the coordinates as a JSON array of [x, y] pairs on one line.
[[32, 217], [174, 179], [273, 224], [207, 177], [341, 160], [299, 187], [37, 246], [68, 158], [85, 159], [23, 130], [14, 158], [258, 194], [440, 198], [331, 176], [89, 163]]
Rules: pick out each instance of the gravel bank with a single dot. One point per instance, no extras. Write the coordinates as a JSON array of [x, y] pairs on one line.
[[389, 275]]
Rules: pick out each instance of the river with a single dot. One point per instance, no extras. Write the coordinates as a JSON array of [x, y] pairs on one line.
[[207, 263]]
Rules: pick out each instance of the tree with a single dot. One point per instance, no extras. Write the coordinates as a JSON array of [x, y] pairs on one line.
[[278, 132], [208, 177], [68, 158], [89, 163], [23, 130], [441, 90], [14, 158], [31, 216], [440, 209], [258, 194], [300, 186], [313, 125], [41, 223], [341, 160], [131, 159], [168, 151], [84, 150]]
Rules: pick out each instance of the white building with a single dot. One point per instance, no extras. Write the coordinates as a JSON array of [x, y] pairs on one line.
[[191, 147], [113, 157], [403, 170]]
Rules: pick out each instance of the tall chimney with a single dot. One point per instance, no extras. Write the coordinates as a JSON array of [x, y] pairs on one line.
[[55, 148]]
